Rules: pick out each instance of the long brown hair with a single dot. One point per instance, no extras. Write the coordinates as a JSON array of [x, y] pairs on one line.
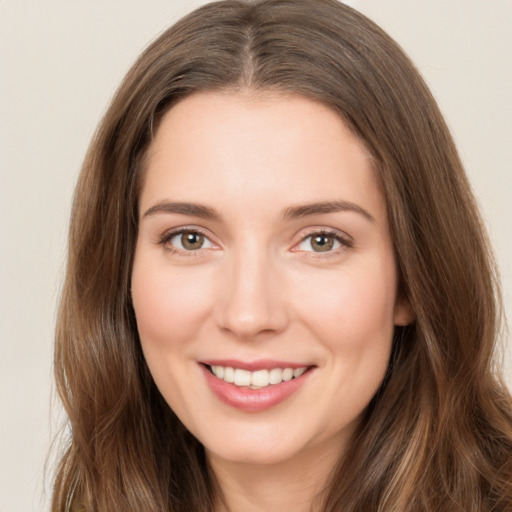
[[438, 434]]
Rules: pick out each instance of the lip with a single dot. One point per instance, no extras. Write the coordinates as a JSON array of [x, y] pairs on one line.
[[253, 400]]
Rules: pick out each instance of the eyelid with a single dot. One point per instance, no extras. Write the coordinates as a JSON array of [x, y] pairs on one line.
[[168, 235], [343, 238]]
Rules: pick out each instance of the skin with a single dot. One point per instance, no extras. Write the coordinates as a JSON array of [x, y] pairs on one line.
[[259, 289]]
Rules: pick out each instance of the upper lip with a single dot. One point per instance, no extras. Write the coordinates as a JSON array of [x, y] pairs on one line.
[[260, 364]]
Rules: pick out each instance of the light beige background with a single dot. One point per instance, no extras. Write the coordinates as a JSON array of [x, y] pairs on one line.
[[60, 62]]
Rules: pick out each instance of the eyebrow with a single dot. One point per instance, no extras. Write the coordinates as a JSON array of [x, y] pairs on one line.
[[300, 211], [191, 209], [290, 213]]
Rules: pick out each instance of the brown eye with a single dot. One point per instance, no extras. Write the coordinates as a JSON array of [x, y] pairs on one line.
[[189, 241], [192, 241], [322, 243]]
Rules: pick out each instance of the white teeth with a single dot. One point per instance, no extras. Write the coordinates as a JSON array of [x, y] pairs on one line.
[[296, 373], [229, 374], [260, 378], [257, 379], [275, 376], [242, 377], [287, 374]]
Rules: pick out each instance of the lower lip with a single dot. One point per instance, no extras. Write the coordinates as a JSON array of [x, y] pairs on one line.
[[253, 400]]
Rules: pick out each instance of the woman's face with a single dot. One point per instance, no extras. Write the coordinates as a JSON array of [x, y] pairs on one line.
[[264, 256]]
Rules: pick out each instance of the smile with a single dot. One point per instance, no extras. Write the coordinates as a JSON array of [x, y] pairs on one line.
[[256, 379], [255, 386]]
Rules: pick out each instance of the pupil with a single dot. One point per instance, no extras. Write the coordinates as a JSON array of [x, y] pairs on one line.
[[192, 240], [322, 243]]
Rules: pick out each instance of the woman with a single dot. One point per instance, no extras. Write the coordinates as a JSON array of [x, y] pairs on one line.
[[279, 292]]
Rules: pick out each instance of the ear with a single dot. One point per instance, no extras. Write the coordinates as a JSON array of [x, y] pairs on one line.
[[404, 313]]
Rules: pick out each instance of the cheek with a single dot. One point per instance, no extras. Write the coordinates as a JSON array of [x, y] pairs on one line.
[[351, 309], [169, 304], [351, 315]]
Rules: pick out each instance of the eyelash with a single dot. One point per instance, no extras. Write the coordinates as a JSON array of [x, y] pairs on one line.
[[344, 241], [169, 235]]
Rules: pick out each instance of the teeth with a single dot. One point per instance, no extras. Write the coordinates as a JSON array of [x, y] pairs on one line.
[[229, 374], [275, 376], [219, 372], [258, 379], [296, 373], [242, 377], [287, 374]]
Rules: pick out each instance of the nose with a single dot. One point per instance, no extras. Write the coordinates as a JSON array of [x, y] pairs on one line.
[[252, 304]]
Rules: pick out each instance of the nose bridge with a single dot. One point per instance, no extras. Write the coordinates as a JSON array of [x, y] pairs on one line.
[[252, 299]]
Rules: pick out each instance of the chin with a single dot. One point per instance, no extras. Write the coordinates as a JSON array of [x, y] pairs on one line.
[[253, 454], [263, 445]]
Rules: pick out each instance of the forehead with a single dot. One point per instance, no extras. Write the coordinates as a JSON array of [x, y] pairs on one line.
[[285, 148]]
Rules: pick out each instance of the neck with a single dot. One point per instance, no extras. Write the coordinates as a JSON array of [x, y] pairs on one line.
[[288, 486]]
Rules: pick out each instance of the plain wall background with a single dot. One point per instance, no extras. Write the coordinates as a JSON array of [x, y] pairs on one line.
[[60, 63]]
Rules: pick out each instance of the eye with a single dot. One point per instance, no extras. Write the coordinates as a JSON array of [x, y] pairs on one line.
[[189, 240], [322, 242]]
